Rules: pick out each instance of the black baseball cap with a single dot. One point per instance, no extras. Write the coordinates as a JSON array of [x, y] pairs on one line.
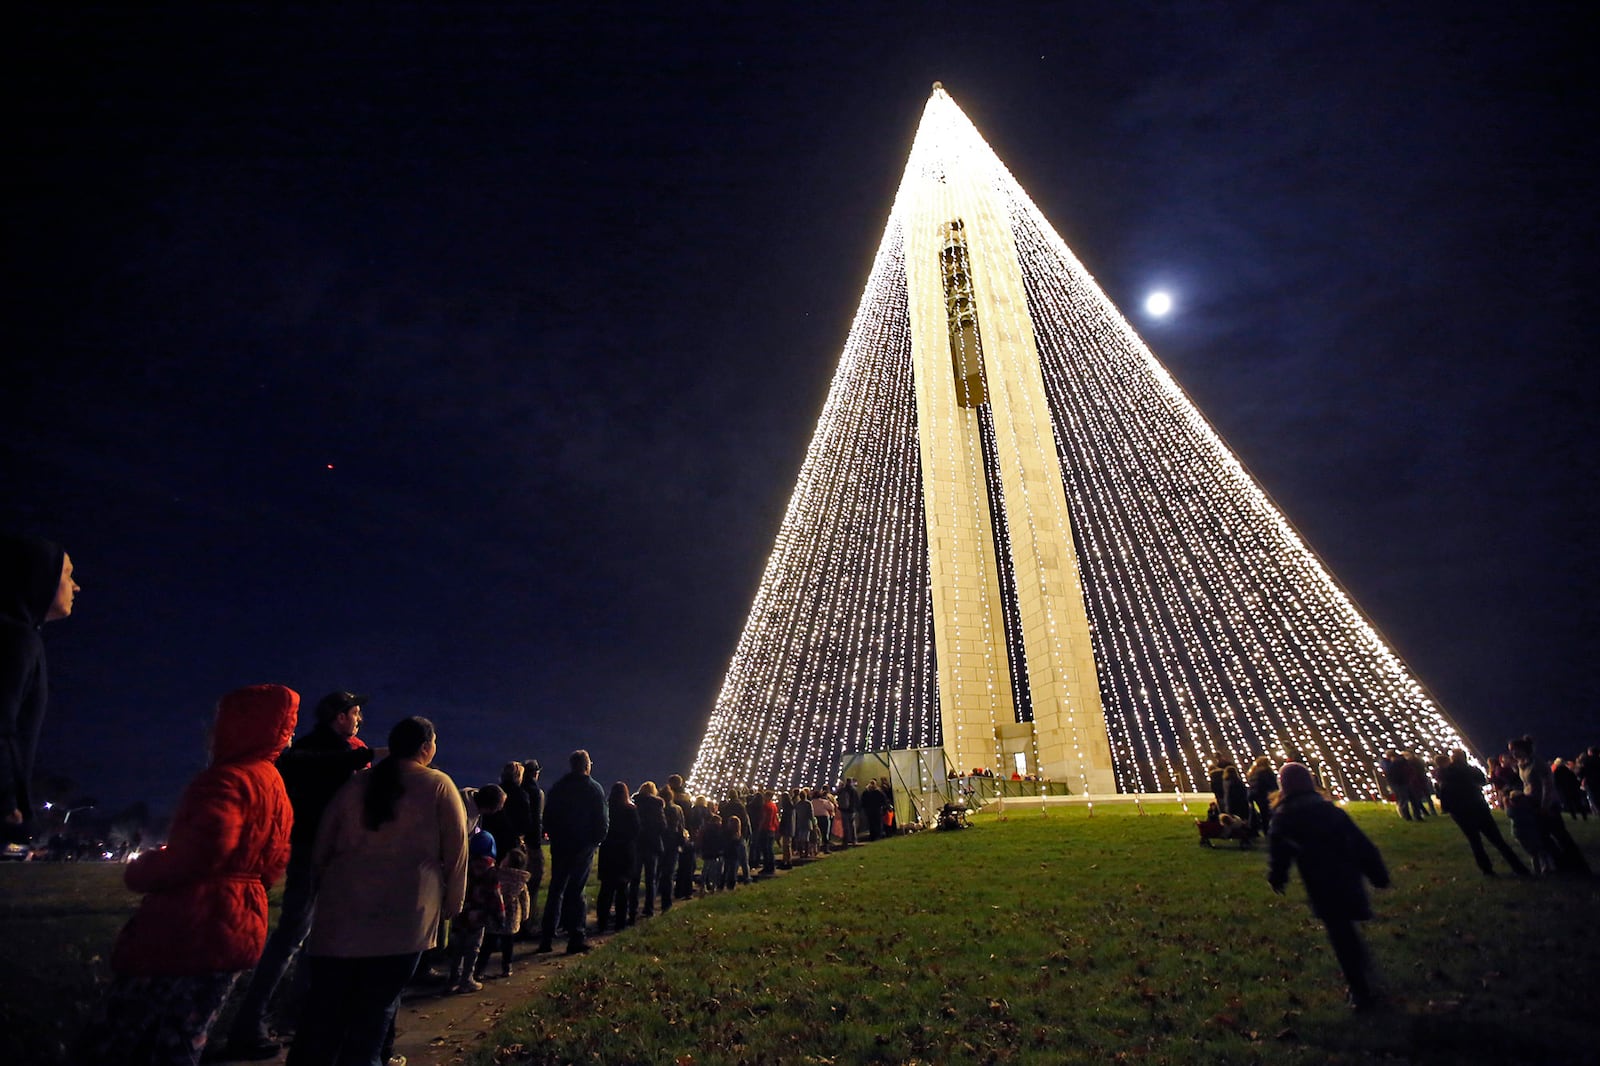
[[334, 704]]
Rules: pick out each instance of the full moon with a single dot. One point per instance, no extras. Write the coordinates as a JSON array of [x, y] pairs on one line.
[[1158, 303]]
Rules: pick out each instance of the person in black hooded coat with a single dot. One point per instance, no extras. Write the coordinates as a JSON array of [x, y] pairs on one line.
[[1334, 857], [36, 586]]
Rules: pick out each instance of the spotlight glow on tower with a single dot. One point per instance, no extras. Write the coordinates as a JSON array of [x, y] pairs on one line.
[[1014, 536]]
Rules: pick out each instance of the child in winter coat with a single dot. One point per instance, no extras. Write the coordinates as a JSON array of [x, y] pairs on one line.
[[483, 905], [513, 875], [1527, 827], [203, 921], [1333, 857], [735, 852]]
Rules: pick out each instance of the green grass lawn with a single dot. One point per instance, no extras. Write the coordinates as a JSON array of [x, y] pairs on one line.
[[1034, 940], [57, 923], [1072, 938]]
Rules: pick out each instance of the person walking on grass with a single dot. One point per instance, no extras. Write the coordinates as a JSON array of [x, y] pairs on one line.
[[1539, 783], [1461, 794], [1334, 858], [203, 920], [576, 820]]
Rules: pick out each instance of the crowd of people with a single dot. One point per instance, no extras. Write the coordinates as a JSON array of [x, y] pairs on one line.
[[390, 869], [388, 865], [1536, 796], [1336, 860]]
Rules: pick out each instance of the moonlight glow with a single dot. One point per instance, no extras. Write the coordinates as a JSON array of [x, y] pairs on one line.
[[1158, 304]]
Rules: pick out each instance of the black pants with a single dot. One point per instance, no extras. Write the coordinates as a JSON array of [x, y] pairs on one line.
[[492, 942], [611, 907], [1569, 857], [1345, 936], [685, 886], [1261, 811], [1477, 825], [350, 1008]]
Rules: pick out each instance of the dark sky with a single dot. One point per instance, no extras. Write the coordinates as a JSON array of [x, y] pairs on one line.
[[466, 355]]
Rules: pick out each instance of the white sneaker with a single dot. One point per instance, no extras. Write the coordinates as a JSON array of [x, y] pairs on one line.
[[469, 984], [397, 1060]]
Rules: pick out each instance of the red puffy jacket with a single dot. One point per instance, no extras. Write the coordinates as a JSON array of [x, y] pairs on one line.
[[205, 904]]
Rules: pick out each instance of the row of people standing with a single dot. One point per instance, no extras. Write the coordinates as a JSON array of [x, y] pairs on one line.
[[375, 865], [375, 875], [664, 845]]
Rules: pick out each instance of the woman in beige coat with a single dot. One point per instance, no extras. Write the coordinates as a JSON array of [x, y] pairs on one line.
[[390, 863]]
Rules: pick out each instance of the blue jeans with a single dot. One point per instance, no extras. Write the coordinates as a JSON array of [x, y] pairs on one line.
[[294, 922], [569, 872], [350, 1009]]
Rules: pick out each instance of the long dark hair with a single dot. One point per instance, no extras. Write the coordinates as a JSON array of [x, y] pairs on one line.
[[409, 736]]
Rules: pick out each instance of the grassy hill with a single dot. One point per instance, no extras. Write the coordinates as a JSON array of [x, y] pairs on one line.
[[1038, 939], [1071, 938]]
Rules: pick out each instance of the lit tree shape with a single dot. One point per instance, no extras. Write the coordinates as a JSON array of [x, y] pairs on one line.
[[1214, 629]]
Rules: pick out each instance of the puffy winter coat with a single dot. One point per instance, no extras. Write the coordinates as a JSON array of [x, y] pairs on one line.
[[514, 891], [205, 904]]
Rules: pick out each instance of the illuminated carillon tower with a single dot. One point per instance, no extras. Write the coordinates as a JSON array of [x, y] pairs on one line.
[[1017, 683], [1015, 544]]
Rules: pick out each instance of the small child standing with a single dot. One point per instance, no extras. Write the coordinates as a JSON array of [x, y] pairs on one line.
[[735, 853], [712, 844], [513, 876], [483, 905], [1528, 828]]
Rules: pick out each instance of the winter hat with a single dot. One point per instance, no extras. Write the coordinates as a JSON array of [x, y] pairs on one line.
[[1294, 777], [480, 845]]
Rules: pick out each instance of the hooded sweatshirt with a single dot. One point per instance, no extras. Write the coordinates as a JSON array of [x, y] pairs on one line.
[[205, 904], [30, 573]]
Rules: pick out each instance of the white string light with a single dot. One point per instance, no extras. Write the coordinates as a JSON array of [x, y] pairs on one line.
[[1215, 628]]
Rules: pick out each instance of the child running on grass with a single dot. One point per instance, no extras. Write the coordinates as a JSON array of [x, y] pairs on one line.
[[1333, 857]]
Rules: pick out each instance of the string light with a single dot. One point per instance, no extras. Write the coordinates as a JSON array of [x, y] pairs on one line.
[[1215, 629]]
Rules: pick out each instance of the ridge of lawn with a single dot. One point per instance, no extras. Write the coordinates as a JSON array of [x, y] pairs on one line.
[[1072, 937]]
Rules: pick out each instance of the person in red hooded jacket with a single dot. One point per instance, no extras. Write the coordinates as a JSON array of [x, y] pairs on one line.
[[203, 921]]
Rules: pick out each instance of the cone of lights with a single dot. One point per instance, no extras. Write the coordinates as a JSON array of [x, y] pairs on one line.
[[1014, 537]]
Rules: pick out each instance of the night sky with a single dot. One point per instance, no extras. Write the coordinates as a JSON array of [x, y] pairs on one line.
[[466, 355]]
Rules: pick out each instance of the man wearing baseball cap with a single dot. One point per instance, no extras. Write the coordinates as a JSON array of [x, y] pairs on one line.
[[313, 768]]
